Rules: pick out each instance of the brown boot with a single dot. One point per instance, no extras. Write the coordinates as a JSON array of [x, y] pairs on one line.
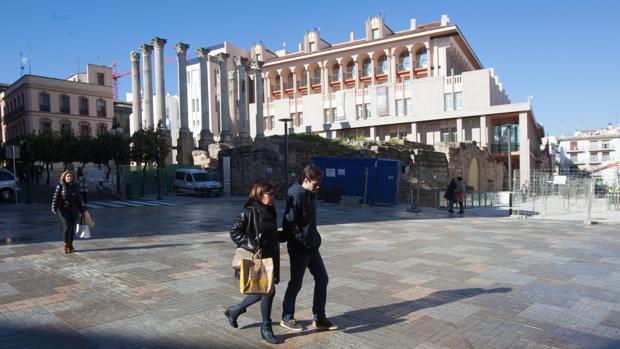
[[71, 249], [66, 249]]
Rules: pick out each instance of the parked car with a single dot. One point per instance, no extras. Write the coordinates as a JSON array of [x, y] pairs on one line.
[[8, 185], [198, 182]]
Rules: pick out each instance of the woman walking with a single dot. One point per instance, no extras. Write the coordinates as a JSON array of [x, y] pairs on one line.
[[256, 229], [67, 203], [450, 195]]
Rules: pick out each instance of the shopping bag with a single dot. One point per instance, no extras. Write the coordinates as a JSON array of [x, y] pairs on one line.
[[83, 231], [256, 275], [240, 253], [88, 219]]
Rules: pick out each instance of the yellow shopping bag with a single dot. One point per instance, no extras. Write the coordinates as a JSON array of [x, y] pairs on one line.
[[256, 275]]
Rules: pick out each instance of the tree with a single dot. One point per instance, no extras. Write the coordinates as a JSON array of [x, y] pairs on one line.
[[44, 146], [103, 151], [150, 146], [160, 150], [68, 148], [139, 153], [85, 151]]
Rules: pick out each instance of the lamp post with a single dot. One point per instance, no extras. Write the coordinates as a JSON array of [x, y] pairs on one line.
[[285, 121], [117, 132]]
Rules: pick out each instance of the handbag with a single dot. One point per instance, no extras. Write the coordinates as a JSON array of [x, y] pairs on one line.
[[240, 253], [82, 230], [256, 275], [88, 219]]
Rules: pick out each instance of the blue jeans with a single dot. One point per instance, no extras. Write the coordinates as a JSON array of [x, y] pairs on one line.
[[299, 262]]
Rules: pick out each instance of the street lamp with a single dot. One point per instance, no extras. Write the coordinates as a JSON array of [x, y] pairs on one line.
[[117, 131], [285, 121]]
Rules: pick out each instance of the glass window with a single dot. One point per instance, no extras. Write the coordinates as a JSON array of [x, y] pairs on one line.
[[573, 146], [605, 157], [448, 101], [421, 58], [399, 107], [44, 102], [333, 114], [65, 107], [408, 106], [300, 118], [101, 110], [350, 74], [404, 61], [383, 64], [593, 144], [100, 79], [605, 145], [593, 157], [289, 81], [367, 67], [458, 100], [368, 110], [83, 106], [65, 128], [326, 116], [84, 130], [189, 178], [359, 111], [573, 158], [46, 126], [316, 79], [375, 33]]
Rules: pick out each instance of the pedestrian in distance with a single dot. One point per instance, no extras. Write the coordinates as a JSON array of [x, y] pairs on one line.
[[256, 228], [83, 184], [460, 194], [304, 240], [450, 195], [67, 204], [524, 191]]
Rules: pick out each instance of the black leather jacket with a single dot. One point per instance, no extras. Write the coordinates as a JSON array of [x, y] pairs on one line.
[[256, 226], [299, 221], [67, 199]]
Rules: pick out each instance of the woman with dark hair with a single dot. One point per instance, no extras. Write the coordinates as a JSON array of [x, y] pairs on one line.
[[66, 201], [256, 229]]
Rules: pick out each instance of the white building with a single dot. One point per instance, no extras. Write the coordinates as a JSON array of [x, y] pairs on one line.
[[593, 151]]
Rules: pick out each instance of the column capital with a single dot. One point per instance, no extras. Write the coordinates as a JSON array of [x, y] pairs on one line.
[[181, 48], [222, 56], [146, 49], [232, 74], [240, 61], [135, 56], [354, 57], [158, 42], [257, 65], [202, 52]]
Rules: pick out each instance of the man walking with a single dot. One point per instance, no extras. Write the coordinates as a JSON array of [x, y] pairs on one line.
[[304, 240]]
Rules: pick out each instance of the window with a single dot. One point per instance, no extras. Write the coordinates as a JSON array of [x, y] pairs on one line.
[[399, 107], [100, 79], [102, 129], [458, 100], [350, 73], [448, 101], [300, 118], [359, 111], [404, 61], [44, 101], [83, 101], [333, 114], [312, 46], [408, 106], [84, 130], [375, 33], [605, 157], [573, 146], [421, 58], [383, 64], [594, 158], [65, 128], [316, 79], [573, 158], [289, 81], [367, 67], [335, 76], [327, 116], [448, 134], [605, 145], [189, 178], [593, 144], [46, 126], [294, 119], [65, 107], [367, 110], [101, 110]]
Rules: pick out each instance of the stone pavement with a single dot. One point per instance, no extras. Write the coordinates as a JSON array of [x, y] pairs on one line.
[[160, 277]]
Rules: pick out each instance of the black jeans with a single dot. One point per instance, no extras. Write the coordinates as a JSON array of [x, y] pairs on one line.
[[266, 303], [299, 262], [69, 220]]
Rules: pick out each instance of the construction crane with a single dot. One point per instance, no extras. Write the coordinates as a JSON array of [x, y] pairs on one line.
[[116, 75]]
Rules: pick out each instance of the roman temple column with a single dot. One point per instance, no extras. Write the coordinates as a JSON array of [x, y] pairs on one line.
[[185, 142], [147, 116], [206, 137], [225, 135], [160, 87], [136, 100], [257, 66]]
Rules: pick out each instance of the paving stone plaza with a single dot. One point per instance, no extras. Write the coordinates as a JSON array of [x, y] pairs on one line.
[[160, 277]]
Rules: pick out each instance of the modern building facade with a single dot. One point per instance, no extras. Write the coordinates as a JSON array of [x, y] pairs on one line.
[[81, 104], [593, 151]]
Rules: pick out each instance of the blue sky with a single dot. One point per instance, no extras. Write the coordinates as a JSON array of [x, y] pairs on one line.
[[564, 54]]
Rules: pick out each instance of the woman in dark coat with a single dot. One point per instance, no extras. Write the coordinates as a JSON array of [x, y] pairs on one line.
[[256, 228], [450, 195], [66, 201]]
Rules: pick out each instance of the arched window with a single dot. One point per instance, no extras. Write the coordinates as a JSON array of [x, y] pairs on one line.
[[289, 81], [404, 61], [350, 74], [367, 67], [421, 58], [316, 76], [335, 76], [277, 87], [383, 64]]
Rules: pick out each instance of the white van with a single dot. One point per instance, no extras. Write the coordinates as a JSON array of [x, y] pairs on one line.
[[198, 182]]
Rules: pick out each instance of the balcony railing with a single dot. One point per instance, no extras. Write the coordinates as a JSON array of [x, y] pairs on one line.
[[349, 75], [403, 66], [334, 77], [315, 81], [503, 147]]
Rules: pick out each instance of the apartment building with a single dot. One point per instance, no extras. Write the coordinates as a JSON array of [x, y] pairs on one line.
[[81, 104], [594, 151]]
